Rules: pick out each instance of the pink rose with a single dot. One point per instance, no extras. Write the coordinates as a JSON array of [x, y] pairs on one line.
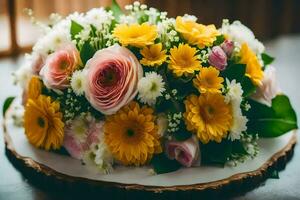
[[59, 66], [80, 135], [112, 77], [227, 47], [217, 58], [268, 89], [186, 152]]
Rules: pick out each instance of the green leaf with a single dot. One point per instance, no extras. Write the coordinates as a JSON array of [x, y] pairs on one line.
[[162, 164], [219, 40], [248, 87], [6, 104], [235, 71], [75, 29], [86, 52], [267, 59], [182, 134], [116, 9], [238, 148], [271, 121], [216, 153]]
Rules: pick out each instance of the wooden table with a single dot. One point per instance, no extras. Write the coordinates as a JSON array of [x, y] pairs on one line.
[[287, 52]]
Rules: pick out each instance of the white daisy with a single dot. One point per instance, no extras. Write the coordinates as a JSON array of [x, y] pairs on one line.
[[78, 81], [150, 87], [99, 157], [239, 124], [234, 93], [234, 97], [99, 16]]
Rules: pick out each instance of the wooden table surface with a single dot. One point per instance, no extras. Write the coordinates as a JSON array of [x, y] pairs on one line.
[[13, 186]]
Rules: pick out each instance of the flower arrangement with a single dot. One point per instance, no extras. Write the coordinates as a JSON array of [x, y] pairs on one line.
[[140, 88]]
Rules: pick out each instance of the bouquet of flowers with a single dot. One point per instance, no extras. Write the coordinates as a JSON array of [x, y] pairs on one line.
[[136, 88]]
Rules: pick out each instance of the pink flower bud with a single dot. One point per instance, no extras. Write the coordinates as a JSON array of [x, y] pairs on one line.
[[218, 58], [227, 47], [185, 152]]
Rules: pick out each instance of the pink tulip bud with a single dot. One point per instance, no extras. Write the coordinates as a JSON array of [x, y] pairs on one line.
[[185, 152], [218, 58], [227, 47]]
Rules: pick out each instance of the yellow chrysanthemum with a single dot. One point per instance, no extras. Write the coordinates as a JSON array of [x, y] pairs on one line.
[[135, 35], [208, 116], [208, 80], [253, 67], [153, 55], [132, 135], [43, 123], [183, 60], [34, 88], [196, 34]]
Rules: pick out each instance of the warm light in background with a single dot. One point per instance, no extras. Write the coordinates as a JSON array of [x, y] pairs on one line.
[[271, 17]]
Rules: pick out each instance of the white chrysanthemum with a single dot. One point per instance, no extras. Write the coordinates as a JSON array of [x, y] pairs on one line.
[[239, 123], [78, 81], [242, 34], [234, 97], [78, 18], [79, 128], [150, 87], [24, 73], [234, 93], [54, 40], [100, 157], [99, 16]]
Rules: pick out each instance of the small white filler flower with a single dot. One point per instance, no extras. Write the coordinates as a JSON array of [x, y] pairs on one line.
[[150, 87], [78, 82]]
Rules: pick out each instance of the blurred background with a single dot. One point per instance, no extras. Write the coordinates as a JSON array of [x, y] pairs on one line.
[[268, 18]]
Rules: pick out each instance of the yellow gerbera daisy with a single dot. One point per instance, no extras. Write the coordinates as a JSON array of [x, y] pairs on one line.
[[253, 67], [132, 135], [196, 34], [43, 123], [208, 80], [208, 116], [135, 35], [34, 88], [153, 55], [183, 60]]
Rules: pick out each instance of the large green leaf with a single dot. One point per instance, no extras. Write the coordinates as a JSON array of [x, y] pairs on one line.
[[86, 52], [6, 104], [161, 164], [271, 121], [216, 153], [116, 9], [234, 71], [75, 29]]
